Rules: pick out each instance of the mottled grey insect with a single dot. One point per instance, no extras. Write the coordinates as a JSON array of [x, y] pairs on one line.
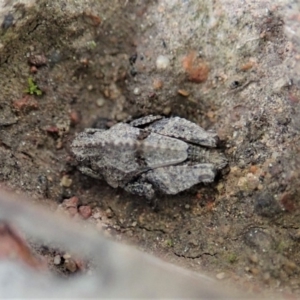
[[150, 154]]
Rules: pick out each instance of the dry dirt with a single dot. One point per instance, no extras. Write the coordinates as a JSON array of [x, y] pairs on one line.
[[230, 67]]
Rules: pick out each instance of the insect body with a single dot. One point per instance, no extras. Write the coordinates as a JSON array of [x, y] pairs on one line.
[[150, 154]]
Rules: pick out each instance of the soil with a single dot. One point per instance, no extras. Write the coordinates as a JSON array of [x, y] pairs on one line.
[[227, 66]]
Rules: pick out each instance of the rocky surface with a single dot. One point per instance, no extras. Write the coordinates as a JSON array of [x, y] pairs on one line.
[[230, 66]]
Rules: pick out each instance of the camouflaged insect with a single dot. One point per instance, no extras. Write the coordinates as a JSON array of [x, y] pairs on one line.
[[150, 154]]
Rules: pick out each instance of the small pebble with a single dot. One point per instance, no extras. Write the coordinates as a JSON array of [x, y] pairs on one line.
[[162, 62], [121, 116], [71, 202], [38, 60], [109, 213], [266, 205], [27, 103], [70, 265], [183, 92], [280, 84], [248, 65], [55, 57], [74, 117], [66, 181], [33, 69], [52, 129], [167, 110], [253, 169], [289, 267], [57, 260], [66, 256], [136, 91], [100, 102], [84, 61], [59, 145], [248, 183], [220, 240], [221, 275], [255, 271], [157, 84], [253, 258], [85, 211], [266, 277], [211, 114], [196, 69]]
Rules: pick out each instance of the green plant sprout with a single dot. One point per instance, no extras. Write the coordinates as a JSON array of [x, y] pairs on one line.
[[169, 243], [33, 88], [232, 258], [91, 45]]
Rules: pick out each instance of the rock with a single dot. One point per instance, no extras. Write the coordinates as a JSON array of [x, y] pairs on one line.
[[26, 104], [248, 183], [71, 202], [70, 265], [183, 92], [37, 60], [66, 181], [221, 275], [85, 211], [57, 260], [258, 239], [197, 70], [136, 91], [74, 117], [266, 205], [100, 102], [109, 213], [157, 84], [162, 62]]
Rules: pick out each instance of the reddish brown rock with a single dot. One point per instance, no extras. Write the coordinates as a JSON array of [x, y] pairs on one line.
[[85, 211]]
